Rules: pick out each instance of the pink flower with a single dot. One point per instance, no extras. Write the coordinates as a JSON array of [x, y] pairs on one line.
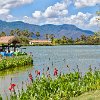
[[11, 88], [30, 77], [37, 72], [55, 72]]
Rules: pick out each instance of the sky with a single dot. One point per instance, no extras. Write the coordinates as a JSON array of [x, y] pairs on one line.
[[81, 13]]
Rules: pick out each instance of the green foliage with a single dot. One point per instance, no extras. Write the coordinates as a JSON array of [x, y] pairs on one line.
[[2, 34], [97, 33], [12, 32], [37, 35], [63, 87], [90, 40], [23, 39], [16, 61], [47, 36], [24, 36]]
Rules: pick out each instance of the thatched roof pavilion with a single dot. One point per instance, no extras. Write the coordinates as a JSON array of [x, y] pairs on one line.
[[8, 40]]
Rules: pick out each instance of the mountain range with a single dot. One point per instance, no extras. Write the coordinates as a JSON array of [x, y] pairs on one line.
[[67, 30]]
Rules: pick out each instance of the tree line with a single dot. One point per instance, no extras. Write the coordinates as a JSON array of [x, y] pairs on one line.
[[24, 36]]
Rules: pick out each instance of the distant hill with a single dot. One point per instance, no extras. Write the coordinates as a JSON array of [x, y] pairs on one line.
[[58, 30]]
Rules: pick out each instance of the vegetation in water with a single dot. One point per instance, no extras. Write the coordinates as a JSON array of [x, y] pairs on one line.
[[15, 61], [59, 87]]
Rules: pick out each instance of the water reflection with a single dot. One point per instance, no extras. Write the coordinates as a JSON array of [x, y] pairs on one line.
[[17, 77], [15, 70]]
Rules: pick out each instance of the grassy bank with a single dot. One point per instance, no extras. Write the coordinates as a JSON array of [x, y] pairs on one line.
[[60, 87], [92, 95], [16, 61]]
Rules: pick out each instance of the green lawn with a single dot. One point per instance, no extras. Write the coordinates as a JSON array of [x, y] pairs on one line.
[[94, 95]]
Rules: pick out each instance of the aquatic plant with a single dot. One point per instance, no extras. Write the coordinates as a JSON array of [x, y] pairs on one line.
[[11, 88], [15, 61], [60, 87]]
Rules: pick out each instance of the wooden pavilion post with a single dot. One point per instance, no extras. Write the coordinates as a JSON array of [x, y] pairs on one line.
[[8, 48], [14, 46]]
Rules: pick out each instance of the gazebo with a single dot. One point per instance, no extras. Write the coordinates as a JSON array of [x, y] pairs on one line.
[[8, 41]]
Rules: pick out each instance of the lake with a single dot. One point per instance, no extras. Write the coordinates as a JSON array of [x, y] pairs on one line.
[[52, 56]]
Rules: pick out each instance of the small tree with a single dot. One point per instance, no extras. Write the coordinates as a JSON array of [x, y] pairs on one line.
[[47, 36], [18, 32], [37, 35], [12, 32], [31, 34], [83, 37], [64, 40], [3, 34], [51, 36]]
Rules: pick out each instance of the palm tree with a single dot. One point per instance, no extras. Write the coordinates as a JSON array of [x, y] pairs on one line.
[[47, 36], [70, 40], [18, 32], [26, 33], [12, 32], [31, 34], [37, 35], [64, 40], [3, 34], [83, 37], [77, 40]]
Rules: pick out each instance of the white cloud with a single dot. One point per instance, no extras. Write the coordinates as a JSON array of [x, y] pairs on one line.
[[84, 3], [4, 11], [58, 14], [94, 21], [57, 10], [79, 19], [13, 3], [82, 20], [6, 5], [37, 14], [55, 14]]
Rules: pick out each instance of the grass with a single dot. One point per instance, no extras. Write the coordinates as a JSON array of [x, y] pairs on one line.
[[92, 95]]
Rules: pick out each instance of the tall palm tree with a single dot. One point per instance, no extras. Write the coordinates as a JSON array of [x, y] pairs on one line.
[[18, 32], [12, 32], [47, 36], [3, 34], [37, 35]]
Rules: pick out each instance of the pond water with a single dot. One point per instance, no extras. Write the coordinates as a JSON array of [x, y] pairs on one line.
[[52, 56]]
